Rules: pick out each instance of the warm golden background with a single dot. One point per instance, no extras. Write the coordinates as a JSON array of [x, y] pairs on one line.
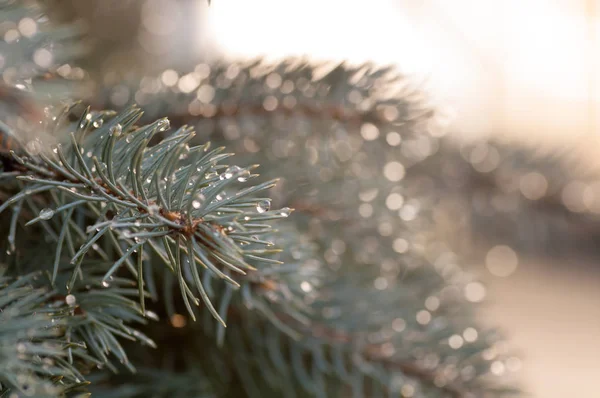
[[525, 68]]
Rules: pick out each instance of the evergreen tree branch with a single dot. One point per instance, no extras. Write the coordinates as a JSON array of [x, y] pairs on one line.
[[343, 314], [24, 359], [169, 197], [227, 101], [51, 340], [543, 200], [336, 345], [350, 173], [378, 99]]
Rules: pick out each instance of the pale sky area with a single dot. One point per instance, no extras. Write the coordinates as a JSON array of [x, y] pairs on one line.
[[523, 68], [499, 64]]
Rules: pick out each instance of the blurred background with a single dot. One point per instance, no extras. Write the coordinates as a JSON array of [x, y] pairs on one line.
[[528, 70], [524, 69], [522, 72]]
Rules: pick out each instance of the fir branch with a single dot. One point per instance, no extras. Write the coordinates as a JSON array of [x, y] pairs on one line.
[[306, 333], [27, 354], [171, 210], [389, 263], [521, 188], [361, 351], [169, 196], [49, 340], [363, 96]]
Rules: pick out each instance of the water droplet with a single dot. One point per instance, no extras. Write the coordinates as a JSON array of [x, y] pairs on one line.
[[105, 284], [46, 214], [221, 196], [243, 175], [230, 172], [455, 341], [197, 202], [210, 175], [98, 123], [475, 292], [381, 283], [164, 124], [296, 252], [394, 171], [398, 324], [116, 130], [501, 261], [497, 368], [186, 150], [34, 147], [306, 286], [152, 315], [432, 303], [70, 300], [423, 317], [470, 334], [263, 206], [369, 131], [285, 212]]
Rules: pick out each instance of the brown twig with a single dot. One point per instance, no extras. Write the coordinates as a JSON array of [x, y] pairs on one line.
[[339, 113]]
